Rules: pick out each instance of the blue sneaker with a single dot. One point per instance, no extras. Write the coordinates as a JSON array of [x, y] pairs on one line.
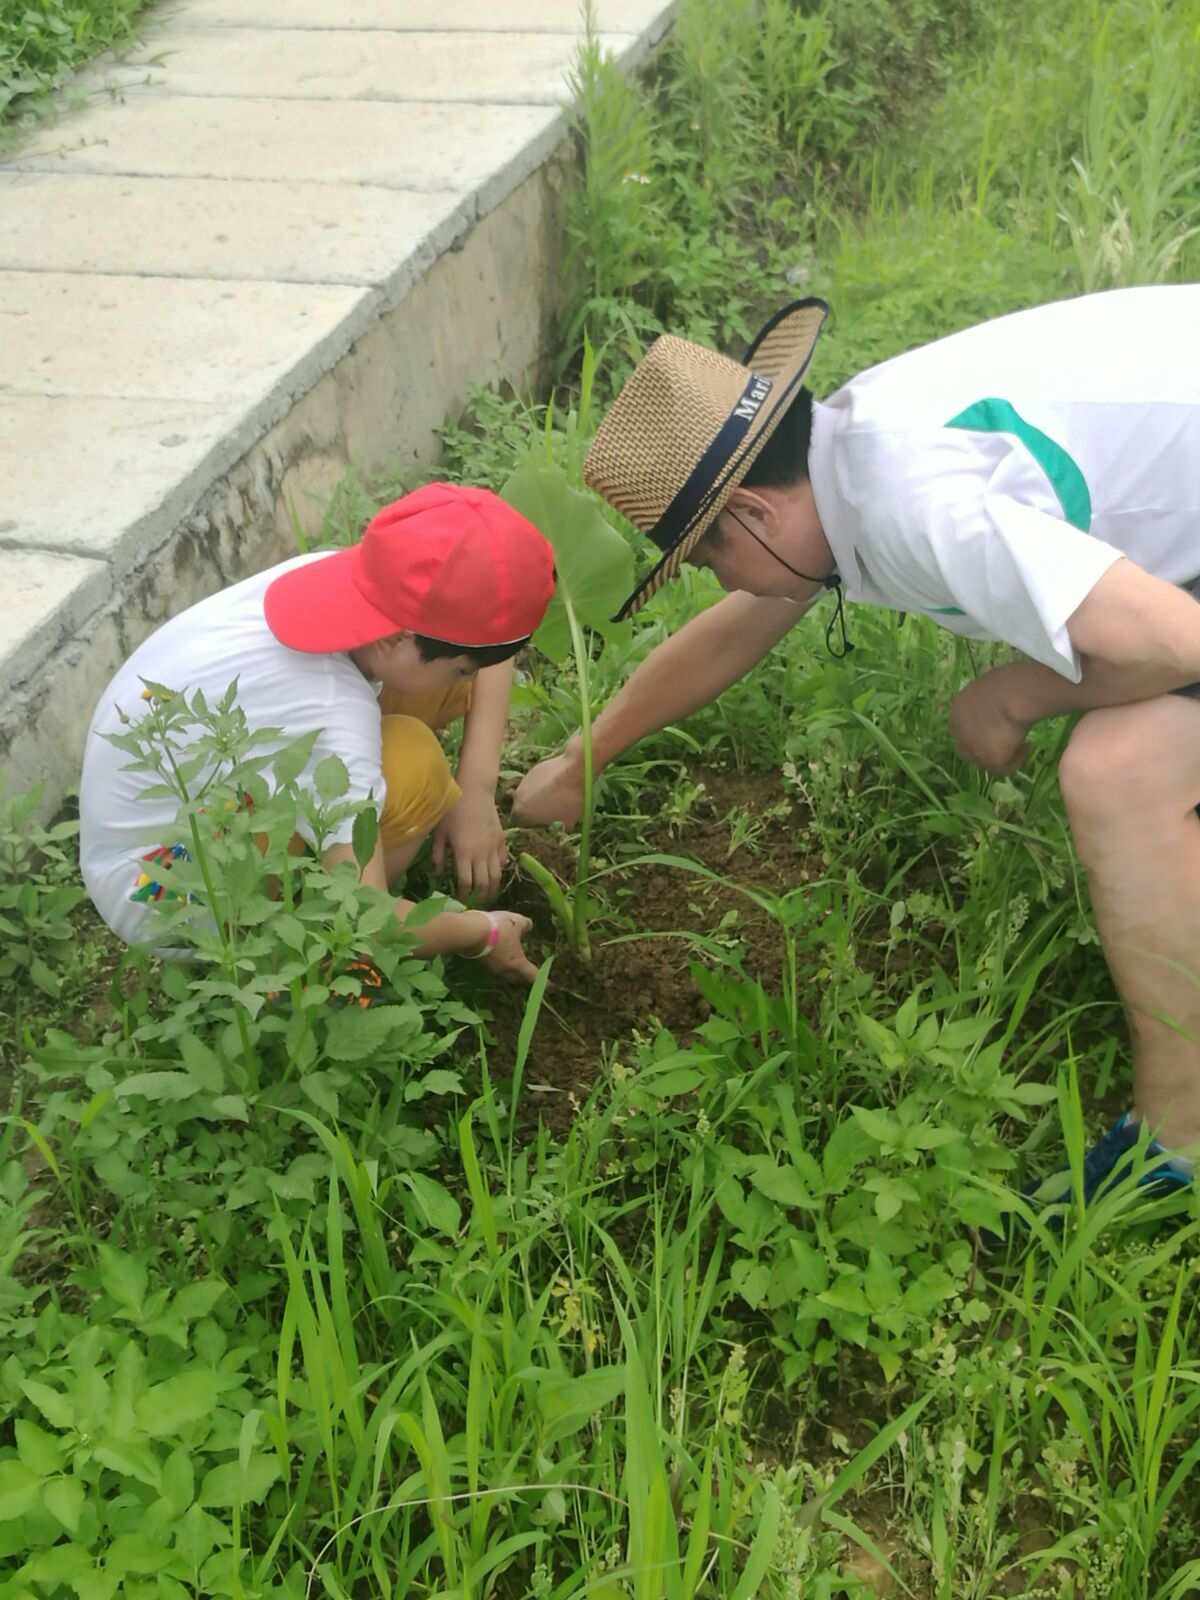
[[1110, 1160]]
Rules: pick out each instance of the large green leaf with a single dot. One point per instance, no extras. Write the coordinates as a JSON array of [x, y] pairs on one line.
[[123, 1276], [41, 1452], [158, 1086], [55, 1407], [567, 1403], [356, 1035], [232, 1484], [177, 1402], [594, 565], [436, 1204], [19, 1489], [64, 1499]]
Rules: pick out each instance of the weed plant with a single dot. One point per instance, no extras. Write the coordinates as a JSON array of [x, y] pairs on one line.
[[42, 42], [291, 1303]]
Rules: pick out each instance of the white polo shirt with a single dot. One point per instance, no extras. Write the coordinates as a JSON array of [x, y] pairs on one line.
[[206, 647], [990, 480]]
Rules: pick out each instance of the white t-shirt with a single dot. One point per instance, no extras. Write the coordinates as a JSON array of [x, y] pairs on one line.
[[206, 647], [991, 479]]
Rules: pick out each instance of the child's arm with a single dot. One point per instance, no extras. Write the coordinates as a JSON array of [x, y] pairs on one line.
[[455, 933], [472, 828]]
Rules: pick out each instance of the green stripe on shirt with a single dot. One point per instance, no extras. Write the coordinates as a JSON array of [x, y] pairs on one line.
[[1067, 481]]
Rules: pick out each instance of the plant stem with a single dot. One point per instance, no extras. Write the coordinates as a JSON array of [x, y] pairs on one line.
[[201, 854], [583, 868]]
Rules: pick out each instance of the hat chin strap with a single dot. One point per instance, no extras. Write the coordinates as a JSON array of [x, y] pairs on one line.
[[833, 581]]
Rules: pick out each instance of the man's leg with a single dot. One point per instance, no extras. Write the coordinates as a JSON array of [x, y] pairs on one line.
[[420, 790], [1131, 779]]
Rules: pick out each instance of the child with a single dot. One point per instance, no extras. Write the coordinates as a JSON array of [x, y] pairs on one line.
[[376, 647]]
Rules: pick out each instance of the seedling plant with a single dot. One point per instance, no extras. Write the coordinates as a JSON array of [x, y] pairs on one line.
[[594, 573]]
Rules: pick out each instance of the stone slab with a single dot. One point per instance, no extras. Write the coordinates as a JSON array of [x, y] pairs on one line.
[[91, 476], [251, 282], [47, 597], [210, 228], [171, 338], [485, 151], [650, 17], [356, 64]]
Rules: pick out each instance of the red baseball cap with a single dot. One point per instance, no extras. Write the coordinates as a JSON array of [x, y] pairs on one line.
[[451, 563]]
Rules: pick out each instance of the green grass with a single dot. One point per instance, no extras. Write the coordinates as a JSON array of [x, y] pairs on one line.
[[291, 1305], [42, 42]]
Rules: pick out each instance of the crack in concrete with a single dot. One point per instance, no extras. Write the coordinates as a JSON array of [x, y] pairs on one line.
[[37, 548], [81, 171], [148, 91], [188, 277], [266, 26]]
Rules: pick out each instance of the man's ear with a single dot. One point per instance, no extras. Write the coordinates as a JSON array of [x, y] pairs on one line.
[[757, 508]]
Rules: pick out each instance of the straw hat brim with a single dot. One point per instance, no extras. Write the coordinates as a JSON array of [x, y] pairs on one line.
[[782, 352]]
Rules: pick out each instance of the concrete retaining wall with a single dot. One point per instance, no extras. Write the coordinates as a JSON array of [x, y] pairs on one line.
[[195, 344]]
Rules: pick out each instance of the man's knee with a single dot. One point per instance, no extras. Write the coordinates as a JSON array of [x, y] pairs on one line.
[[1082, 769], [1127, 762]]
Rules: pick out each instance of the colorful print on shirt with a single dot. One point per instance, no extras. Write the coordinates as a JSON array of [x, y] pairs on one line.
[[148, 889]]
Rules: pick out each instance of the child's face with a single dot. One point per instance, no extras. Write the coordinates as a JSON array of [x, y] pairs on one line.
[[399, 665]]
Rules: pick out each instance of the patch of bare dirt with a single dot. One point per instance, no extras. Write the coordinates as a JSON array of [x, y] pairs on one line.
[[635, 983]]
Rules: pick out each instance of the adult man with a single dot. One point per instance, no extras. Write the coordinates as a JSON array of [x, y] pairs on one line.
[[1035, 480]]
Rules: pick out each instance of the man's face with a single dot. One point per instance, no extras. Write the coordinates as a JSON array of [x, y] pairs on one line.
[[738, 561], [714, 550], [746, 549]]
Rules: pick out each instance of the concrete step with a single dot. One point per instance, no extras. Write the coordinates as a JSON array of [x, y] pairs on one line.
[[283, 236]]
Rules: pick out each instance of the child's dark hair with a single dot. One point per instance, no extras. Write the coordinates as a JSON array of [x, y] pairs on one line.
[[481, 656], [784, 457]]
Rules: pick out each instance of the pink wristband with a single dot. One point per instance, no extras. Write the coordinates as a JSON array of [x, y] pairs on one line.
[[492, 940]]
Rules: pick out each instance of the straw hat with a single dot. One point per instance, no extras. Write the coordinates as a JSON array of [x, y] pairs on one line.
[[687, 427]]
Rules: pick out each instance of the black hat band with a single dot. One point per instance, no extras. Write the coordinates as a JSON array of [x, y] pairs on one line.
[[681, 513]]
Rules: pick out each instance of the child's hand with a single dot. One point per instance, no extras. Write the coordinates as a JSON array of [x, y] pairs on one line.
[[472, 831], [508, 958]]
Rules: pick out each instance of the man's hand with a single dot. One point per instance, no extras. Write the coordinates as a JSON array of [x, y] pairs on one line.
[[985, 728], [508, 959], [472, 831], [552, 791], [687, 671]]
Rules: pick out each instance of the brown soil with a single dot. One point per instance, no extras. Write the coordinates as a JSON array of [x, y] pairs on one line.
[[635, 980]]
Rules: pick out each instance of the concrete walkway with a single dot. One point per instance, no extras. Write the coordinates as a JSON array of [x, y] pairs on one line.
[[284, 236]]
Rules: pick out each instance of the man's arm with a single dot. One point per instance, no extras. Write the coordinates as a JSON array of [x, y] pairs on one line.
[[685, 672], [1137, 636]]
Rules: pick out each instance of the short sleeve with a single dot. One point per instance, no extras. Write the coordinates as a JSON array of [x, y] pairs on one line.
[[1020, 573], [967, 527]]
